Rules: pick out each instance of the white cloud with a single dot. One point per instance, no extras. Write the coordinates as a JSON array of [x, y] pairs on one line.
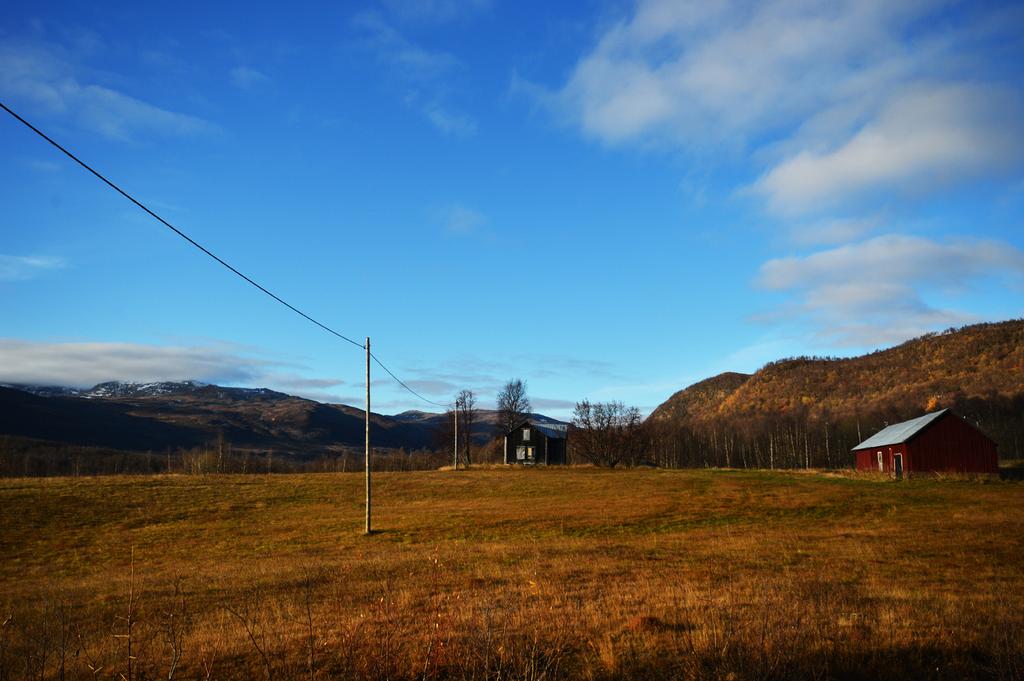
[[423, 75], [461, 220], [871, 292], [246, 78], [116, 115], [448, 122], [436, 387], [551, 404], [837, 99], [44, 166], [21, 267], [300, 382], [834, 230], [929, 138], [894, 255], [700, 72], [46, 76], [410, 60], [86, 364]]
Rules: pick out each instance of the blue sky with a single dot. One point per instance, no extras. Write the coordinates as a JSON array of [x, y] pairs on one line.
[[610, 200]]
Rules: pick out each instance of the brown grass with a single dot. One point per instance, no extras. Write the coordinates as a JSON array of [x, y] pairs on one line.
[[512, 574]]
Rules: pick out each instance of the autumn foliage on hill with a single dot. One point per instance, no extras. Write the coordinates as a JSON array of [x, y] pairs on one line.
[[812, 410], [700, 399]]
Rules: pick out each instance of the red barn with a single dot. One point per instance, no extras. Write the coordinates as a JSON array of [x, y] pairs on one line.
[[937, 442]]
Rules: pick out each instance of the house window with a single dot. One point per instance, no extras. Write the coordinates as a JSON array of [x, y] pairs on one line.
[[881, 464], [520, 453], [529, 453], [526, 434]]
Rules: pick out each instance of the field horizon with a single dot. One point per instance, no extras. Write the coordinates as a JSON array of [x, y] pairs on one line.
[[512, 573]]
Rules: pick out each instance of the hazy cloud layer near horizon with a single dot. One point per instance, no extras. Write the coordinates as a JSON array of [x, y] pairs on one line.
[[85, 364]]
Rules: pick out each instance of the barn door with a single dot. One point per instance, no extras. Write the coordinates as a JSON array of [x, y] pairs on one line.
[[897, 465]]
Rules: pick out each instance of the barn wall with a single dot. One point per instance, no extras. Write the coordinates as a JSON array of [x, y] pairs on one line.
[[556, 451], [863, 460], [553, 448], [537, 440], [867, 459], [953, 445]]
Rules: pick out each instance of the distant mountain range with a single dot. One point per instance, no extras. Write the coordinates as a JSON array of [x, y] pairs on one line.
[[485, 426], [802, 406], [158, 416]]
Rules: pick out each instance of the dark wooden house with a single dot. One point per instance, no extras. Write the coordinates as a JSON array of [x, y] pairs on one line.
[[536, 443], [936, 442]]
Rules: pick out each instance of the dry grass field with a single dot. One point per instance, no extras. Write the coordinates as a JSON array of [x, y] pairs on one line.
[[512, 574]]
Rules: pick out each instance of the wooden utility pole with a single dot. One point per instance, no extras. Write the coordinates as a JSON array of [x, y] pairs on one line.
[[455, 413], [369, 528]]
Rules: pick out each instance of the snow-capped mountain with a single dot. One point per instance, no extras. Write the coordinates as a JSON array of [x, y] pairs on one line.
[[123, 389], [131, 390]]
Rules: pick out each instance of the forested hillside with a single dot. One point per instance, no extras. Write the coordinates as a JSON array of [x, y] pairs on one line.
[[811, 411], [179, 422]]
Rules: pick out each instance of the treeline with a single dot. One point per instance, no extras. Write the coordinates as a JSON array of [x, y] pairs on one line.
[[25, 457], [789, 442], [603, 434], [611, 434], [801, 439]]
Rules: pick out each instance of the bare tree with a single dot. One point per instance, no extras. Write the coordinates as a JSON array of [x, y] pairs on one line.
[[607, 433], [465, 408], [513, 404]]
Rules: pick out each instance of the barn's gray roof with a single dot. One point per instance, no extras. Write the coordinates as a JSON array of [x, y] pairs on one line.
[[899, 433], [555, 430], [552, 429]]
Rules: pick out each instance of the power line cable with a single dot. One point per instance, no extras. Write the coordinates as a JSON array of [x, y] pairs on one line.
[[177, 231], [402, 383]]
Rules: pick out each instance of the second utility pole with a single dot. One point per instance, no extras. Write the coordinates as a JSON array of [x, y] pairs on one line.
[[368, 495], [455, 413]]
